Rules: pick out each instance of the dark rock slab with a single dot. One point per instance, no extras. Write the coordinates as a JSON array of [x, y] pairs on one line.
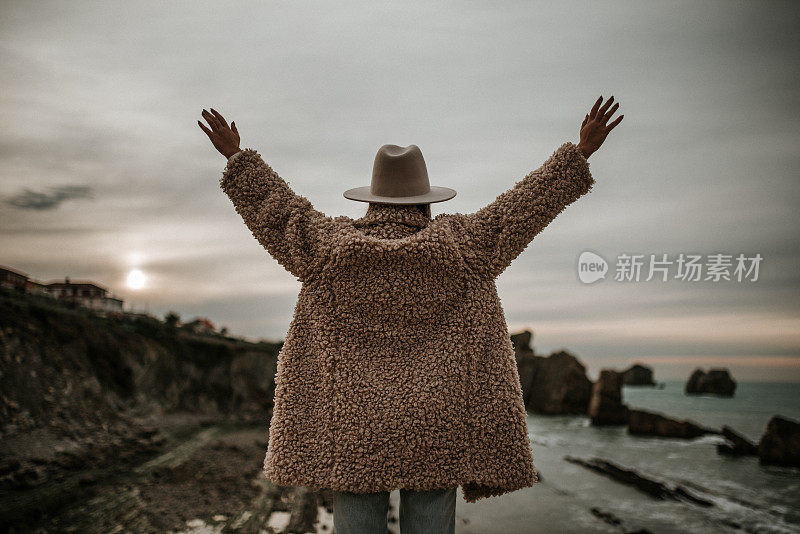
[[606, 517], [642, 422], [646, 485], [736, 444]]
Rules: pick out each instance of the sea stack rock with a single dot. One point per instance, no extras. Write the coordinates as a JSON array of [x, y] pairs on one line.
[[780, 444], [605, 406], [714, 382], [553, 385], [638, 375], [647, 423], [526, 361], [736, 444], [522, 341]]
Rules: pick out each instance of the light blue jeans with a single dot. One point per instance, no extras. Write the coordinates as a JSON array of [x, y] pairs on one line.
[[421, 512]]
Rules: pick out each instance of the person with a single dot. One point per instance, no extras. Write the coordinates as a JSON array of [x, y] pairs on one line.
[[398, 371]]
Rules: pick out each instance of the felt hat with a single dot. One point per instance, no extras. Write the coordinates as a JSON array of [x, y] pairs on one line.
[[399, 176]]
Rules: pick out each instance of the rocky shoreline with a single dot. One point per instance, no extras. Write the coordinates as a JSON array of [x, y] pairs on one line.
[[202, 474], [557, 385], [127, 423]]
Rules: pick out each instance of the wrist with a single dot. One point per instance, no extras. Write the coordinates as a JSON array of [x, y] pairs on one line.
[[230, 154], [585, 151]]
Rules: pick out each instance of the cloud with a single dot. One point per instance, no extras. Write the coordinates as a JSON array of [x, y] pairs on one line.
[[29, 199], [487, 95]]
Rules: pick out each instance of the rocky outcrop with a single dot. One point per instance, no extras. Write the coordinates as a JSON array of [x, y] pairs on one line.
[[638, 375], [556, 384], [526, 361], [79, 388], [522, 342], [714, 382], [204, 479], [780, 444], [646, 423], [605, 406], [631, 477], [736, 444]]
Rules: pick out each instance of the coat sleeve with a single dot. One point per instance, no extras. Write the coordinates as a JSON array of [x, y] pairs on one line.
[[495, 235], [283, 222]]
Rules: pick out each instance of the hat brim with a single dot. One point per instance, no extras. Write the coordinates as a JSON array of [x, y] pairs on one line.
[[436, 194]]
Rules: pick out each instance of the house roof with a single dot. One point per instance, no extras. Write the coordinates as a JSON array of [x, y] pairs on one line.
[[84, 283], [15, 271]]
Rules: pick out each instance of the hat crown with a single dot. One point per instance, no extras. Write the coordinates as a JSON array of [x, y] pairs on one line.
[[400, 176], [399, 172]]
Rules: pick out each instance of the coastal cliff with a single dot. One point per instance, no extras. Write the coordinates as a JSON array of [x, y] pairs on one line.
[[71, 369], [83, 392]]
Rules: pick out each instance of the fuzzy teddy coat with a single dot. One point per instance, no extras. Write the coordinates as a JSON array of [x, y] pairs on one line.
[[398, 370]]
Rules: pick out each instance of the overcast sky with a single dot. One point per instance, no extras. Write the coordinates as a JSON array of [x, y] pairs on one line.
[[104, 169]]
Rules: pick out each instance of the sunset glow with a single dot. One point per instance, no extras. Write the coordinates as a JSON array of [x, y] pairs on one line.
[[136, 279]]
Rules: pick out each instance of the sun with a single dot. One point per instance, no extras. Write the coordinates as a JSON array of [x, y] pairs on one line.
[[136, 279]]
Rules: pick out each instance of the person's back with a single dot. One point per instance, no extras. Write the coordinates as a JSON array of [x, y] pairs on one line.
[[397, 370]]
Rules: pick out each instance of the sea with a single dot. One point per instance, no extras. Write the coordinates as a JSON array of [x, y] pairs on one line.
[[745, 496]]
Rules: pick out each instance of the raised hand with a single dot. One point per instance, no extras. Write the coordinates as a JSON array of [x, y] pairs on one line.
[[594, 129], [225, 138]]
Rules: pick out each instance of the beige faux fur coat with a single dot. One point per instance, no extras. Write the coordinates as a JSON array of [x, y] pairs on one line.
[[397, 370]]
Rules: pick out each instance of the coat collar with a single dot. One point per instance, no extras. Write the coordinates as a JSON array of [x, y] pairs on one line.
[[379, 214]]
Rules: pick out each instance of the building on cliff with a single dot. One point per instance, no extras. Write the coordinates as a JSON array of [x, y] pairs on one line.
[[12, 278], [84, 293]]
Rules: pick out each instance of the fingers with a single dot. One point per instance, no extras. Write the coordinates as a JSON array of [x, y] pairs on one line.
[[206, 130], [212, 121], [585, 120], [233, 127], [602, 111], [219, 117], [617, 121], [608, 115], [593, 112]]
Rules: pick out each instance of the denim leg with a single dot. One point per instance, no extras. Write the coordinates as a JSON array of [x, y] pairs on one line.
[[360, 513], [428, 512]]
